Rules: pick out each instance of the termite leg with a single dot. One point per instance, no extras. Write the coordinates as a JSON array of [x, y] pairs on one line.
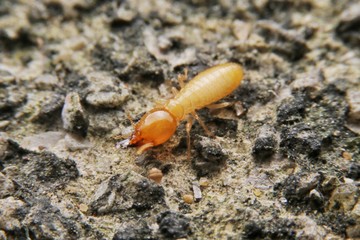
[[220, 105], [174, 91], [207, 131], [130, 119], [237, 106], [188, 127], [182, 78]]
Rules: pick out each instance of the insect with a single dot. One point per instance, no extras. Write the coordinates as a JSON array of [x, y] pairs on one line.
[[160, 123]]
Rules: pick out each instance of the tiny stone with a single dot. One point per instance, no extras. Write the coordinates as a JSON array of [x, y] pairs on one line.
[[212, 157], [353, 171], [164, 43], [348, 180], [336, 133], [155, 175], [106, 99], [257, 192], [197, 191], [316, 198], [46, 82], [346, 155], [204, 182], [73, 115], [83, 207], [265, 143], [4, 124], [353, 99], [76, 43], [239, 109], [173, 225], [125, 15], [241, 30], [188, 198]]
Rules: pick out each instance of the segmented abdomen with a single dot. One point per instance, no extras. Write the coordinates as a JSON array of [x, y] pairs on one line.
[[207, 87]]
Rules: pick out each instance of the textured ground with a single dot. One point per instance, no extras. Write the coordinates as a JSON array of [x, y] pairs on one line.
[[284, 165]]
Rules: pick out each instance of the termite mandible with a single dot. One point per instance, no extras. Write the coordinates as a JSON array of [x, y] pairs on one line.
[[160, 123]]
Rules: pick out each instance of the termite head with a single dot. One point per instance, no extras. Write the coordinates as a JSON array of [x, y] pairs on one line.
[[153, 129]]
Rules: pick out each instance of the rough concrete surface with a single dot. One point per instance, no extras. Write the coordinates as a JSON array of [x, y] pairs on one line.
[[285, 162]]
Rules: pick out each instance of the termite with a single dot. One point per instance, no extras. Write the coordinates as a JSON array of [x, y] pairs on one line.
[[160, 123]]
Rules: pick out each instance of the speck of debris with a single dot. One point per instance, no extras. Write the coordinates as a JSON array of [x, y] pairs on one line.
[[120, 193], [265, 144], [274, 229], [139, 231], [300, 140], [354, 171], [73, 115], [211, 156], [291, 110], [173, 225], [197, 191]]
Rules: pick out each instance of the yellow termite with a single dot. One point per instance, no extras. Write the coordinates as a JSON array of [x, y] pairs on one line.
[[160, 123]]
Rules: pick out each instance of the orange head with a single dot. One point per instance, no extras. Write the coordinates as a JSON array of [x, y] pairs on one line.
[[153, 129]]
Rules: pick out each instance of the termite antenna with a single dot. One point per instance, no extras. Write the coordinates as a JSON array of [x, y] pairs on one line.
[[121, 136], [182, 78], [144, 147], [130, 119]]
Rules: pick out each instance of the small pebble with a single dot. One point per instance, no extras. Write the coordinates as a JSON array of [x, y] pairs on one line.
[[4, 124], [316, 198], [105, 91], [204, 182], [188, 198], [239, 109], [83, 207], [106, 99], [353, 99], [257, 192], [155, 174], [212, 156], [336, 133], [265, 144], [164, 43], [346, 155], [73, 115], [46, 82], [76, 43], [125, 15], [197, 191]]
